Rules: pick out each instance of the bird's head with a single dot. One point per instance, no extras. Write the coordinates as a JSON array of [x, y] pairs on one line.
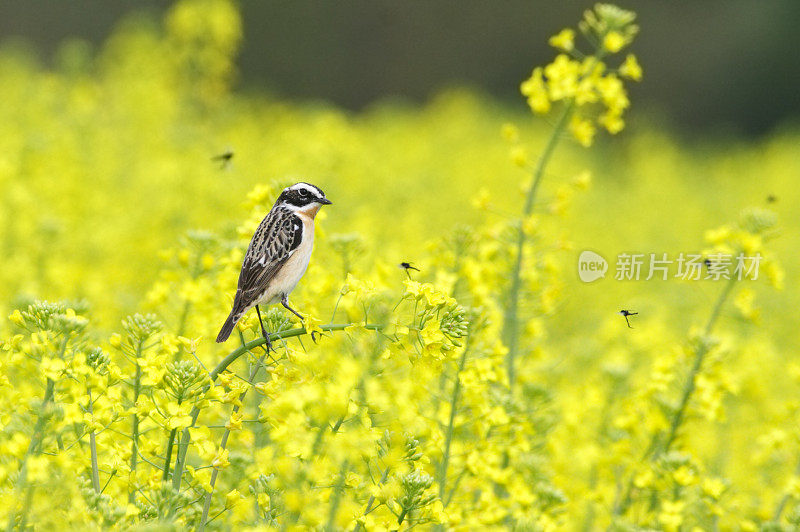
[[303, 198]]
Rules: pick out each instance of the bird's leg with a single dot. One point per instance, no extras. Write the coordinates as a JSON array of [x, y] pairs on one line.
[[285, 303], [263, 330]]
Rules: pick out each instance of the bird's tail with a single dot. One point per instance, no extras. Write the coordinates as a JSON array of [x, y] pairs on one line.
[[227, 328]]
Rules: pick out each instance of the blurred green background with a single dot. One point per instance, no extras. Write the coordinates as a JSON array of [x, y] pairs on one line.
[[715, 65]]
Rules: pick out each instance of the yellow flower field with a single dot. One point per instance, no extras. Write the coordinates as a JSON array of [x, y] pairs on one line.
[[492, 389]]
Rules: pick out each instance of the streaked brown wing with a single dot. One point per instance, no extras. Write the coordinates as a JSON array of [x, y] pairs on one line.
[[276, 238]]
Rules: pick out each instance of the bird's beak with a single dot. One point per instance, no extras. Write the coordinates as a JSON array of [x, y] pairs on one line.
[[324, 201]]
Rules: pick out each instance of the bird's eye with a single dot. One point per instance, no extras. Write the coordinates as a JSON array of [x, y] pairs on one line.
[[303, 193]]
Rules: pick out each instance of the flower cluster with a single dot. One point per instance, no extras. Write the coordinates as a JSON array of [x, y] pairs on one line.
[[584, 82]]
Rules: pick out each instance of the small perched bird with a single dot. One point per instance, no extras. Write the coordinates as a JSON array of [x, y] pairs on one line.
[[625, 314], [278, 255]]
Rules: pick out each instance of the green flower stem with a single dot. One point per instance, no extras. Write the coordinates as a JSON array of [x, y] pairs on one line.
[[402, 516], [33, 448], [187, 307], [511, 318], [168, 454], [137, 382], [95, 471], [316, 447], [451, 424], [183, 445], [686, 395], [605, 421], [36, 439], [785, 499], [371, 501], [224, 443], [93, 452], [337, 496], [702, 351], [459, 478]]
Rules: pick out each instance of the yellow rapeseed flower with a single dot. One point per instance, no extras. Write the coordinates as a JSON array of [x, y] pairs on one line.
[[614, 41], [583, 130], [563, 40], [671, 514], [562, 77], [519, 156], [510, 132], [630, 68], [235, 421], [232, 498], [221, 459], [16, 318], [536, 92]]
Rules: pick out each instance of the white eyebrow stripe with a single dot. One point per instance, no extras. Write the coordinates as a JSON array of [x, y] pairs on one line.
[[307, 186]]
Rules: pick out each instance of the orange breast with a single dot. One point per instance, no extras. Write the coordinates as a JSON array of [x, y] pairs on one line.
[[310, 211]]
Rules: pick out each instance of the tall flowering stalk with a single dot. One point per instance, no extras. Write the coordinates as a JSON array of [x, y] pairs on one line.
[[139, 328], [589, 93], [58, 329], [234, 423], [666, 458]]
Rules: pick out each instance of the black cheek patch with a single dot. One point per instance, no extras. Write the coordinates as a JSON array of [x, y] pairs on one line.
[[293, 197]]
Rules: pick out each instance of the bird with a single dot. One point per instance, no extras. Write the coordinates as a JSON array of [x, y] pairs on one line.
[[625, 314], [277, 256]]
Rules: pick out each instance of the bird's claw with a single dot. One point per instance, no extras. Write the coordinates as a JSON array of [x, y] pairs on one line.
[[268, 345]]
